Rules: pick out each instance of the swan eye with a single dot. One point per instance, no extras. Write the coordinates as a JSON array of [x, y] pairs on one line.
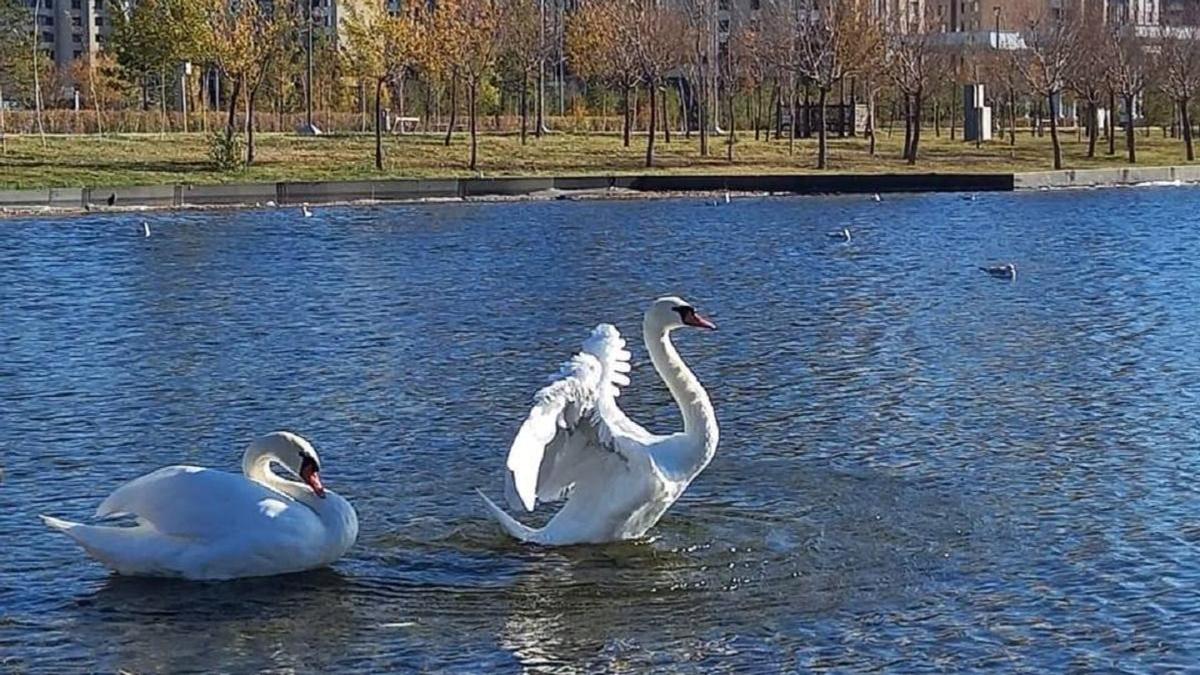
[[684, 311]]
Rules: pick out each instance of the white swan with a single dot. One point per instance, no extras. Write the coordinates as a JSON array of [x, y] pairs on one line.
[[618, 479], [1005, 271], [844, 235], [205, 524], [305, 212]]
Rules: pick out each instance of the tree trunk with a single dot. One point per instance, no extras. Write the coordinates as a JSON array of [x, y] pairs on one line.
[[539, 103], [162, 103], [732, 138], [953, 115], [937, 117], [453, 108], [777, 106], [758, 113], [3, 135], [652, 91], [1130, 141], [233, 101], [251, 95], [1185, 125], [684, 113], [472, 95], [1012, 116], [794, 125], [627, 112], [822, 133], [379, 124], [806, 130], [870, 119], [1093, 128], [1111, 124], [524, 107], [914, 149], [1054, 142], [908, 125], [666, 118]]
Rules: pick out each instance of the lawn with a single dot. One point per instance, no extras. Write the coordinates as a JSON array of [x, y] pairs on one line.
[[84, 161]]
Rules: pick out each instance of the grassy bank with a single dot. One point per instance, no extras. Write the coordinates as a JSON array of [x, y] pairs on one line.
[[81, 161]]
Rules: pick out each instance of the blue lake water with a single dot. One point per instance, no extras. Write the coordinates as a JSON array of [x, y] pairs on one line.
[[921, 467]]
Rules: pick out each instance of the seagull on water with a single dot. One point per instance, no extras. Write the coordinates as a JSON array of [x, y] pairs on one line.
[[877, 198], [1005, 271], [727, 196], [145, 229], [305, 211], [844, 235]]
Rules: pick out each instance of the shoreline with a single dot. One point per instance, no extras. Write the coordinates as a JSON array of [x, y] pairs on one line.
[[67, 201]]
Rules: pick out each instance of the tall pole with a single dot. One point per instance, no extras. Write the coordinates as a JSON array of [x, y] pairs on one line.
[[997, 11], [541, 79], [308, 80]]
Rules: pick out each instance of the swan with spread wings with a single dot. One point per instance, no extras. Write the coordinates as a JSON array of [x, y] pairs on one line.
[[617, 478]]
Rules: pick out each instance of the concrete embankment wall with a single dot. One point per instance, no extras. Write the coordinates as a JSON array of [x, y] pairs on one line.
[[462, 188], [1090, 178], [455, 188]]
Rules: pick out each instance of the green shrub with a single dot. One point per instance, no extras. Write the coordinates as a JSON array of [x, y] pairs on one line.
[[226, 151]]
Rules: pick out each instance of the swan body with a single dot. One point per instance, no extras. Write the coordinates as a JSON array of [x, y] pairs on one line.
[[844, 235], [617, 478], [145, 229], [199, 523], [1005, 271]]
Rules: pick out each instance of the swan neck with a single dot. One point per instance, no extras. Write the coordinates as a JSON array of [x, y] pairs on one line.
[[699, 421], [256, 466]]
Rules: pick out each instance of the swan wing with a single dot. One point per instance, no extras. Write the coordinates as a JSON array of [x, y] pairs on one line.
[[574, 424], [203, 504]]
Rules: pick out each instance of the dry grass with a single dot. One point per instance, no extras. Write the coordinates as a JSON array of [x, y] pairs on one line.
[[80, 161]]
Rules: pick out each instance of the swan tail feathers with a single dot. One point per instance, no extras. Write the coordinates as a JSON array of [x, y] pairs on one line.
[[511, 526]]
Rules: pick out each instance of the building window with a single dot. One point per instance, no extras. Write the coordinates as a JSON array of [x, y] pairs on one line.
[[99, 21], [48, 4], [47, 36], [44, 20], [723, 26], [76, 4], [77, 54], [77, 38], [76, 21]]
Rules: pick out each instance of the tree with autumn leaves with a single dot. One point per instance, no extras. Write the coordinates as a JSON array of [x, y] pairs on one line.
[[383, 47]]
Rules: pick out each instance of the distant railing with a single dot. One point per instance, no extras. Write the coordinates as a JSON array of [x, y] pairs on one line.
[[150, 122]]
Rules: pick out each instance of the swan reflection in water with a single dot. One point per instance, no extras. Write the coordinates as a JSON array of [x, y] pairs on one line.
[[293, 622]]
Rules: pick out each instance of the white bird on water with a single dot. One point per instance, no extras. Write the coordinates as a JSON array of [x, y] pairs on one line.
[[201, 523], [727, 196], [844, 235], [305, 211], [877, 197], [1005, 271], [145, 229], [617, 478]]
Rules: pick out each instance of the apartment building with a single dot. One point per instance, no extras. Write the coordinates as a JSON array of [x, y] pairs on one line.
[[69, 29]]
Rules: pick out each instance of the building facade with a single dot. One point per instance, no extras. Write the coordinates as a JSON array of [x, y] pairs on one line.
[[70, 29]]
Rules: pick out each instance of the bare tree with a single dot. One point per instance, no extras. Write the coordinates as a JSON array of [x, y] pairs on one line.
[[1088, 74], [834, 42], [1179, 66], [913, 61], [1130, 69], [656, 41], [1050, 53]]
